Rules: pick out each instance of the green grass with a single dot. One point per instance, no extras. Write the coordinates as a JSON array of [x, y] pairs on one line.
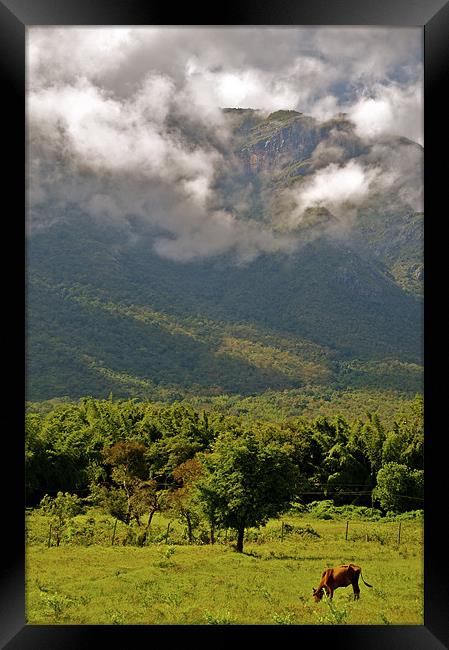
[[270, 583]]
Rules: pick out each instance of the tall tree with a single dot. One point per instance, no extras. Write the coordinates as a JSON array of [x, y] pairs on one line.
[[405, 443], [128, 471], [247, 480], [183, 499]]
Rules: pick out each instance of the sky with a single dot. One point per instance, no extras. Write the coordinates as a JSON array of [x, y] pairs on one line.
[[100, 101]]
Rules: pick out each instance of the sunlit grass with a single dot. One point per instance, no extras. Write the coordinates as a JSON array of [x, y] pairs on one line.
[[270, 583]]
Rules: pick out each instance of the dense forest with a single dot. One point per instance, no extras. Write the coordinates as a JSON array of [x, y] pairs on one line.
[[133, 459], [164, 331]]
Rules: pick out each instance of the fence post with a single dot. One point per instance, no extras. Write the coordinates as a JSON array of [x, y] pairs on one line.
[[346, 534]]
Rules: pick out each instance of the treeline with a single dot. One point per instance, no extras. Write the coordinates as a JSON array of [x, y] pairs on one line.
[[308, 402], [133, 459]]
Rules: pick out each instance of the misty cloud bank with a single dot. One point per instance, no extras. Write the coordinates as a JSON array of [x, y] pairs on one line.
[[126, 123]]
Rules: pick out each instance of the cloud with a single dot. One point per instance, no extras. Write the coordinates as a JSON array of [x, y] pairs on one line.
[[136, 165], [390, 110], [103, 134], [400, 183], [237, 63], [61, 54], [371, 54], [387, 177], [222, 233], [339, 189], [335, 186], [126, 123]]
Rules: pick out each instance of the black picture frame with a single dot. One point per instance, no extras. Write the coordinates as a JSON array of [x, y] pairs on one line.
[[433, 16]]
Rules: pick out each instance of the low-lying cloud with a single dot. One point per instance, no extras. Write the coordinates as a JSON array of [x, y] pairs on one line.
[[339, 189], [390, 110], [128, 123]]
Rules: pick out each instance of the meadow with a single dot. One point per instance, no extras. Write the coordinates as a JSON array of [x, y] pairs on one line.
[[86, 580]]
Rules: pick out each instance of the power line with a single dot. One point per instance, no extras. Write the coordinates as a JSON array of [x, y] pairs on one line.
[[308, 493], [406, 496]]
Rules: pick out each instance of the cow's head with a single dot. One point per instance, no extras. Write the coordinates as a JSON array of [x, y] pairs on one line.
[[317, 594]]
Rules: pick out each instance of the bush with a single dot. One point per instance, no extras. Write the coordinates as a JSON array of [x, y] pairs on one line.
[[327, 510], [404, 516], [398, 487], [60, 509]]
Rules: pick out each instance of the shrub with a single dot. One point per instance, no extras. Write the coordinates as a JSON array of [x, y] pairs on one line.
[[222, 618], [334, 615], [397, 487], [61, 509]]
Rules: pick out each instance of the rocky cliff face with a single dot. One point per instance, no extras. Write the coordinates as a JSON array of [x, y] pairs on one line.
[[276, 147], [287, 137], [275, 152]]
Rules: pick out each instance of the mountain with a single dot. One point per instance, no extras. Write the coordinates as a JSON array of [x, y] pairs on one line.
[[106, 313]]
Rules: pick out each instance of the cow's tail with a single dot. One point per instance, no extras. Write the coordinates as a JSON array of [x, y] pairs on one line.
[[364, 581]]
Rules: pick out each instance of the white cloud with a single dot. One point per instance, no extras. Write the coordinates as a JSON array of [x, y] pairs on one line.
[[252, 88], [337, 185], [56, 54], [221, 233], [127, 121], [339, 188], [103, 134], [390, 110]]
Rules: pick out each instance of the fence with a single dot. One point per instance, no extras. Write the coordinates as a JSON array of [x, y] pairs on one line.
[[106, 531]]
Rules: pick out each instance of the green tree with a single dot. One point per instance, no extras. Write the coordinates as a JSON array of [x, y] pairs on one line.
[[60, 509], [182, 432], [405, 443], [183, 501], [130, 494], [399, 488], [35, 456], [129, 470], [57, 452], [247, 480], [369, 438], [344, 467]]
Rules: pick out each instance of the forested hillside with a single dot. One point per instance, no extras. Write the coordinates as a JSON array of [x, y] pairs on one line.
[[107, 313]]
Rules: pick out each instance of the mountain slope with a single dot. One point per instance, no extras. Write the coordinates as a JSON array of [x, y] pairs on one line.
[[106, 313]]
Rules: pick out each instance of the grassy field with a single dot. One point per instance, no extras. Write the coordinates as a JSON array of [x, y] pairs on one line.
[[270, 583]]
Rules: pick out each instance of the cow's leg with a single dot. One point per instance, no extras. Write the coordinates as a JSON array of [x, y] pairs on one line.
[[356, 588]]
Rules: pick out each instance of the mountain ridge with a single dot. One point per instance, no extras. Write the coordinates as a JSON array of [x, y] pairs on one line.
[[106, 313]]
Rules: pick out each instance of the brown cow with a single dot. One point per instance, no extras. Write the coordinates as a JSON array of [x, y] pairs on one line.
[[342, 576]]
